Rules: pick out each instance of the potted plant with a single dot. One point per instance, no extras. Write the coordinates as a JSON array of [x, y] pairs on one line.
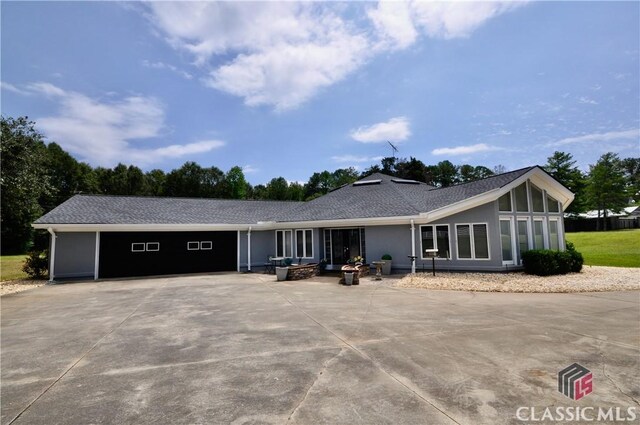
[[386, 267], [281, 273], [348, 278], [323, 265]]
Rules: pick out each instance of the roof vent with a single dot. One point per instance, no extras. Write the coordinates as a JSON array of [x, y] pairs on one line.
[[367, 182], [405, 181]]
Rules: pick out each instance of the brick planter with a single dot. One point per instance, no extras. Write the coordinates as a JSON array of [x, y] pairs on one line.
[[304, 271]]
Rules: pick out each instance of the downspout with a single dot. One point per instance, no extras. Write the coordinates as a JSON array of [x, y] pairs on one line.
[[413, 246], [249, 249], [53, 254]]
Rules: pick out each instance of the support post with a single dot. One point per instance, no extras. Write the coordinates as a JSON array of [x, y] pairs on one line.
[[249, 249], [52, 260], [96, 268], [413, 246]]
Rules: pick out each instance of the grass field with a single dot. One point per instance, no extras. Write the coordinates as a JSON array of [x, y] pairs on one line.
[[11, 267], [617, 248]]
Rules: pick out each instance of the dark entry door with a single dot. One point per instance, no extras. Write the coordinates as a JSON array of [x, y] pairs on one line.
[[345, 244], [124, 254]]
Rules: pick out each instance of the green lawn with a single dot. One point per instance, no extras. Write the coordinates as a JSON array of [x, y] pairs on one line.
[[11, 267], [617, 248]]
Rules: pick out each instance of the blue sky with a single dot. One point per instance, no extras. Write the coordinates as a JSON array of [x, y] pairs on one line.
[[286, 89]]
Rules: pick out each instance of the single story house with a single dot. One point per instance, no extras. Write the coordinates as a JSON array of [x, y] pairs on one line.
[[483, 225]]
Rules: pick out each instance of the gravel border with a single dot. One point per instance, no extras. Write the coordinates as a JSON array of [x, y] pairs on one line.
[[13, 286], [590, 279]]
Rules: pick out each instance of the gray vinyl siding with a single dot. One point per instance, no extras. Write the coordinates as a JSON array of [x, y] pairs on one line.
[[392, 240], [75, 255]]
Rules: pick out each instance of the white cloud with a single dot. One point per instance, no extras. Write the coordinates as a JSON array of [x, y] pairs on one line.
[[398, 23], [162, 65], [10, 87], [598, 137], [105, 133], [451, 19], [465, 150], [394, 24], [396, 130], [247, 169], [355, 158], [281, 54], [586, 100]]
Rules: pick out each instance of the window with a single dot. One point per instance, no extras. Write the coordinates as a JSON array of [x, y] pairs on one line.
[[552, 204], [522, 203], [137, 247], [206, 245], [440, 242], [537, 199], [538, 234], [554, 238], [505, 240], [142, 246], [153, 246], [473, 241], [193, 246], [504, 202], [283, 243], [523, 235], [304, 243], [480, 241]]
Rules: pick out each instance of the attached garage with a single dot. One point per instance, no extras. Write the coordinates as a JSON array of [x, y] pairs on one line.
[[124, 254]]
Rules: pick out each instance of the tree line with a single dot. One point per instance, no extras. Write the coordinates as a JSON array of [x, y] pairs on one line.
[[36, 177]]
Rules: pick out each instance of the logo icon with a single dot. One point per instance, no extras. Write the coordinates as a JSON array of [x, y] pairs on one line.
[[575, 381]]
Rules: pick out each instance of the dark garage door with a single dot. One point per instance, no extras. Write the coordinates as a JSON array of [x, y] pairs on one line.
[[124, 254]]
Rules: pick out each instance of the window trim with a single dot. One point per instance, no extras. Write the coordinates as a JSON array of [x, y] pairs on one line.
[[304, 243], [472, 240], [435, 241], [152, 250], [283, 232], [511, 200], [529, 235], [144, 247], [545, 232], [561, 246], [514, 241], [544, 203]]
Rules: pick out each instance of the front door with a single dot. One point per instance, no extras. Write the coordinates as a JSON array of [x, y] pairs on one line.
[[344, 244]]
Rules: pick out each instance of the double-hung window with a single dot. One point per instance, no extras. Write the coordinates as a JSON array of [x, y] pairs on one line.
[[304, 243], [435, 237], [283, 244], [473, 241]]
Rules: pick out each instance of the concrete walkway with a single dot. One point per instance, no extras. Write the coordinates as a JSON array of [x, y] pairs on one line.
[[243, 349]]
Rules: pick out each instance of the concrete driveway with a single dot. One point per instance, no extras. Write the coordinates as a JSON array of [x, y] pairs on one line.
[[242, 349]]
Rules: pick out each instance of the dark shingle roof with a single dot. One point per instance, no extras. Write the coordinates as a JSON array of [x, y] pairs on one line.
[[390, 198], [387, 197], [97, 209]]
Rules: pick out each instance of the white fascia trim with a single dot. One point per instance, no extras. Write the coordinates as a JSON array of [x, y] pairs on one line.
[[141, 227], [537, 177]]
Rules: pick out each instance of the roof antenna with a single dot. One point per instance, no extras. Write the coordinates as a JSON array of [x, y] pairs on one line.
[[393, 149]]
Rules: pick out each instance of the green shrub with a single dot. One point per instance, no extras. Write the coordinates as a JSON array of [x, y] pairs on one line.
[[576, 258], [545, 262], [36, 265], [288, 262], [387, 257]]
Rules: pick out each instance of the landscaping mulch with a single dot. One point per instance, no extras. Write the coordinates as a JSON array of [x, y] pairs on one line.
[[590, 279], [13, 286]]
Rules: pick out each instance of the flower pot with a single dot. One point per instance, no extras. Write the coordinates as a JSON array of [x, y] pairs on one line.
[[281, 273], [348, 278], [386, 267]]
